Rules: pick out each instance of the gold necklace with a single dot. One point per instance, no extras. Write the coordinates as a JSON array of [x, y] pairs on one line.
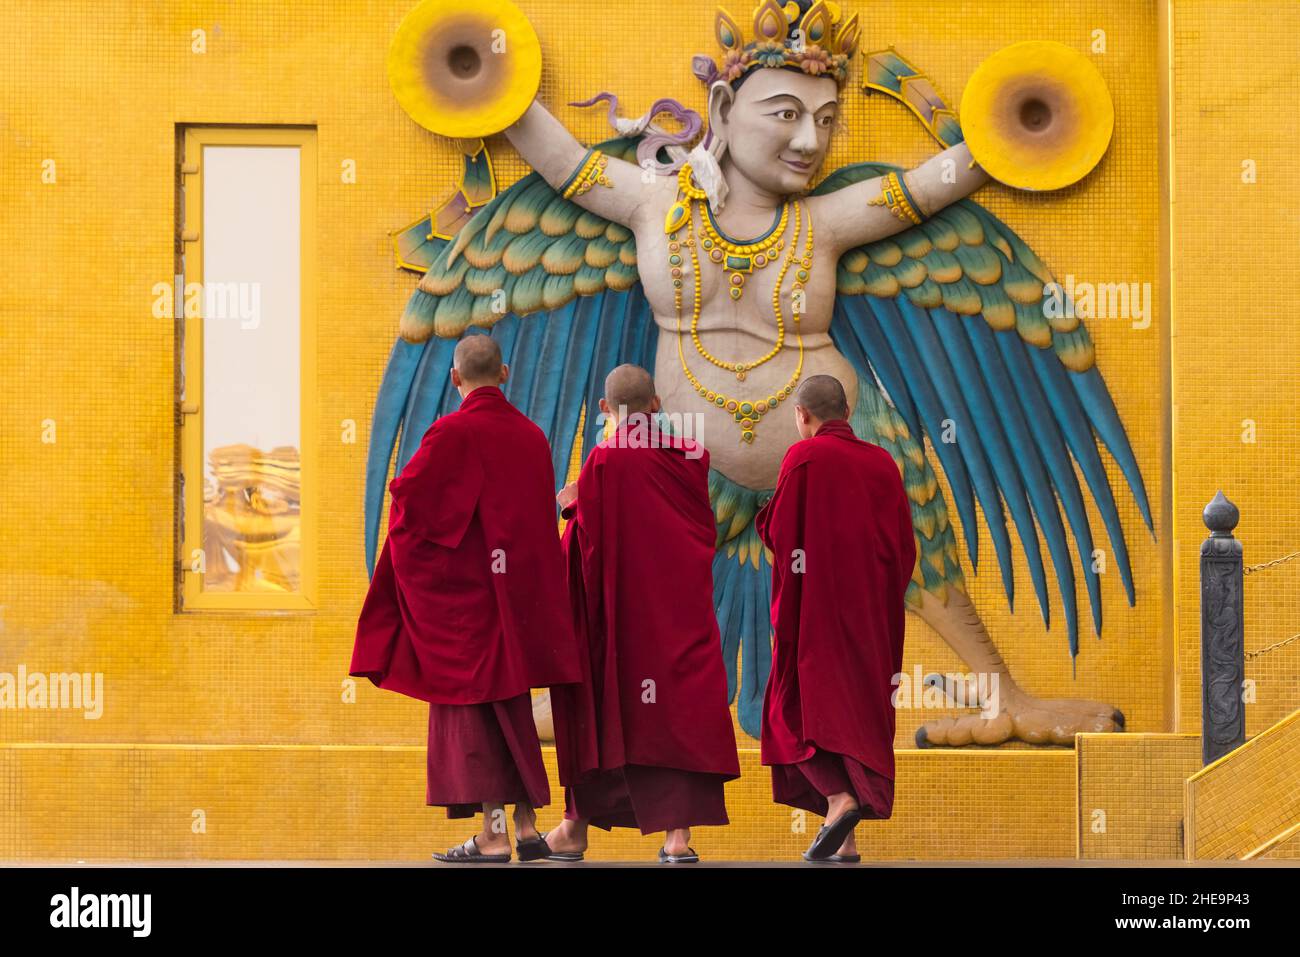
[[741, 368], [746, 413], [738, 260], [681, 215]]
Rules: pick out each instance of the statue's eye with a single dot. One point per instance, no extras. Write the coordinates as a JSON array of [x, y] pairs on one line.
[[828, 120], [788, 114]]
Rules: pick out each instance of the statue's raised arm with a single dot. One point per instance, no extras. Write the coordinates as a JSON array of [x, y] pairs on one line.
[[608, 186], [884, 205], [467, 69]]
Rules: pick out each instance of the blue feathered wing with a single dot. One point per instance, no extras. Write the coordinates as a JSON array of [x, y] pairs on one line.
[[946, 325]]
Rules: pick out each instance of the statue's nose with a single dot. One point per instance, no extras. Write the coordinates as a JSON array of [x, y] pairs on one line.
[[805, 140]]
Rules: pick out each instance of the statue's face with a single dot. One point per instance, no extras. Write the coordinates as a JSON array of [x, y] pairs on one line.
[[777, 127]]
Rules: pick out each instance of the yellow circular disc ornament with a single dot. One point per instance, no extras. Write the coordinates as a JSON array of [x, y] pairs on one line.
[[465, 68], [1037, 115]]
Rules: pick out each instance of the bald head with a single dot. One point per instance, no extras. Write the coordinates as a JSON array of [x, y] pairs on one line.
[[630, 387], [823, 396], [478, 361]]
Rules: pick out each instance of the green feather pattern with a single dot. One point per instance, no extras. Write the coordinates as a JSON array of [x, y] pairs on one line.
[[538, 249], [966, 260]]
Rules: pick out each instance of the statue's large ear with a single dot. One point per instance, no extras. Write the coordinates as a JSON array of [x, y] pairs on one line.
[[721, 98]]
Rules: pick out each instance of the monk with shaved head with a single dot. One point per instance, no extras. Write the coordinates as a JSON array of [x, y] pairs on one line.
[[467, 608], [839, 528], [646, 740], [630, 388]]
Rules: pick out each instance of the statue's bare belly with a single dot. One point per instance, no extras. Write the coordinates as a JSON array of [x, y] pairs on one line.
[[753, 465], [740, 331]]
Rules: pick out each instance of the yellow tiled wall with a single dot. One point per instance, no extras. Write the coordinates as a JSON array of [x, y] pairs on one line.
[[95, 92], [1131, 794], [364, 803], [1235, 345], [1247, 797]]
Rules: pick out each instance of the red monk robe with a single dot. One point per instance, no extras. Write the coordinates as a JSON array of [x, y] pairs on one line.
[[467, 608], [837, 616], [646, 740]]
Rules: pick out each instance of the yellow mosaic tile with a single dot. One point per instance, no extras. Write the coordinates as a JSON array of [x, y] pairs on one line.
[[1130, 799], [252, 713], [1247, 798], [1235, 177], [351, 802]]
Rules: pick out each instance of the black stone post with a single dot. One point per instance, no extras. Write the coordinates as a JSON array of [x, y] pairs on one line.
[[1223, 650]]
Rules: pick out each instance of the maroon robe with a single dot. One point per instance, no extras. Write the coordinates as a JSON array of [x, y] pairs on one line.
[[640, 546], [837, 618], [484, 754], [467, 608]]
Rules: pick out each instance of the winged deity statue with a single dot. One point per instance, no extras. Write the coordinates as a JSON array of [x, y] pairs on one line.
[[712, 254]]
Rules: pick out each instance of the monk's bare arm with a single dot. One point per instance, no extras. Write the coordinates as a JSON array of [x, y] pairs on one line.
[[549, 148], [874, 208]]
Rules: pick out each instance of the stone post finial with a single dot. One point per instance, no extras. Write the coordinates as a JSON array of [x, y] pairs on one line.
[[1220, 515]]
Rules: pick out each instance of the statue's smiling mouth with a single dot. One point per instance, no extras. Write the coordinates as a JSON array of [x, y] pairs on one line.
[[801, 166]]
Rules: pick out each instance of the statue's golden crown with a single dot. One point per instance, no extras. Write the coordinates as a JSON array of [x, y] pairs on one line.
[[812, 37]]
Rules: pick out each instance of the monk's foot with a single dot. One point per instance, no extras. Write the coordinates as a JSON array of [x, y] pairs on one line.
[[1023, 718], [491, 843], [850, 846], [567, 837], [838, 805], [676, 842]]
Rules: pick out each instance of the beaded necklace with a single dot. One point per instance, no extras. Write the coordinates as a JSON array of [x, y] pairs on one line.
[[747, 413], [738, 260]]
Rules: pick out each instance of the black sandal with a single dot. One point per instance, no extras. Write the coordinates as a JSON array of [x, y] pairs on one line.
[[468, 853], [532, 849], [567, 857], [841, 859], [828, 840], [690, 857]]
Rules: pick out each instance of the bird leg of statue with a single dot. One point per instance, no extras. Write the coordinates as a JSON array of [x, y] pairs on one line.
[[742, 284]]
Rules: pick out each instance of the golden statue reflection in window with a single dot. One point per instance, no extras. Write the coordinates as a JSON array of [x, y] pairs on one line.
[[252, 532]]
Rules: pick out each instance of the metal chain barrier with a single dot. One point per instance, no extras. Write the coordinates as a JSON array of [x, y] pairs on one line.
[[1273, 647], [1250, 569]]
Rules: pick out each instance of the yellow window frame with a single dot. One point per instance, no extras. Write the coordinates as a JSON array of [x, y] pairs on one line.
[[191, 594]]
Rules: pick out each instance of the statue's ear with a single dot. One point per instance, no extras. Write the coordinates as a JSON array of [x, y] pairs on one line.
[[721, 98]]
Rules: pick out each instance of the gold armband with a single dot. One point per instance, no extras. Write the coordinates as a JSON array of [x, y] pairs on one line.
[[894, 194], [591, 172]]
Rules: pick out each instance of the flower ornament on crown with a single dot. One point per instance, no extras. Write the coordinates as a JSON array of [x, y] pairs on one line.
[[813, 38]]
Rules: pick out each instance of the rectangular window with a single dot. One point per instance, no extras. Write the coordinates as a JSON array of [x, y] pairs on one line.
[[247, 401]]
